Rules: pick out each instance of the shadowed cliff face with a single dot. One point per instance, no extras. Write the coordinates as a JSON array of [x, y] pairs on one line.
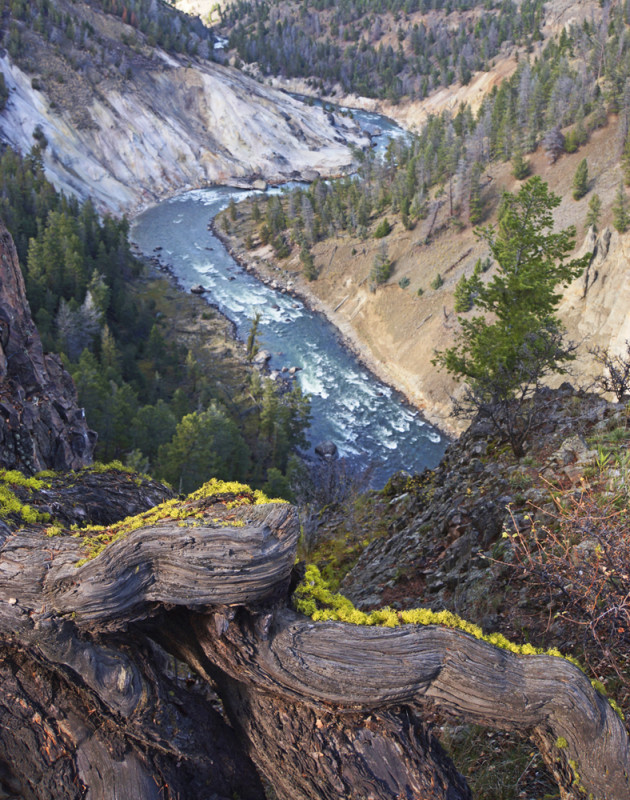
[[41, 425]]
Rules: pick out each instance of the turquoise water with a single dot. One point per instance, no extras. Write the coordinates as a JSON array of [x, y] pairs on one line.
[[367, 420]]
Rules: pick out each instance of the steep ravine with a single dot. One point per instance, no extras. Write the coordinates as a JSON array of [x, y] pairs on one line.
[[397, 330], [178, 124]]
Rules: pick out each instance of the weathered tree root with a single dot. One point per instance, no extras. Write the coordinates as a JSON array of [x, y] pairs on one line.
[[326, 710]]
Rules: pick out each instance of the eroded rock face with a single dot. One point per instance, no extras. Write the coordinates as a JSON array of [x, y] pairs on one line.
[[41, 424], [174, 127]]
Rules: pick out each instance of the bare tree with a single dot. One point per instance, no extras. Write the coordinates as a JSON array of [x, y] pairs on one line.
[[615, 377], [553, 144]]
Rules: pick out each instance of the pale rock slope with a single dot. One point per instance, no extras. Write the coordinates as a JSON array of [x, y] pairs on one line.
[[176, 126], [595, 307], [202, 8]]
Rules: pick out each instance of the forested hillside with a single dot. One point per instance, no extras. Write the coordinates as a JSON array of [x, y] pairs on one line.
[[379, 49], [160, 22], [576, 83], [153, 403]]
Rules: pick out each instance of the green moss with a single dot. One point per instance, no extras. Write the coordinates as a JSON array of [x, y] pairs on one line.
[[232, 494], [11, 507], [13, 477], [314, 598], [100, 468], [245, 495]]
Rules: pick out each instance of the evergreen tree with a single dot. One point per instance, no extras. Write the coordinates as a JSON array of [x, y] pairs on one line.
[[520, 167], [253, 346], [308, 264], [465, 290], [594, 212], [580, 180], [206, 444], [381, 267], [503, 357], [382, 229], [153, 426], [621, 219]]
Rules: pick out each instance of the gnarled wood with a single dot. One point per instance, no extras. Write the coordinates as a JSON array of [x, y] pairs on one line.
[[350, 666], [324, 709]]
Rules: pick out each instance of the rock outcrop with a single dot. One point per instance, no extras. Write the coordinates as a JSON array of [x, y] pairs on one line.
[[41, 424], [170, 123], [444, 524], [595, 307]]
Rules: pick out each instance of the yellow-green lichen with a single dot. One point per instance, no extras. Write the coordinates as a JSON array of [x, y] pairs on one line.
[[245, 495], [97, 537], [10, 503], [314, 598]]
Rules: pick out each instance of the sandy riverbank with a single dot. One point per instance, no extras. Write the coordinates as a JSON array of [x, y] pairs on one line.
[[265, 268]]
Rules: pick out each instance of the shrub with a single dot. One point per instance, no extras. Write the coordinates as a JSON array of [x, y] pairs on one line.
[[383, 229]]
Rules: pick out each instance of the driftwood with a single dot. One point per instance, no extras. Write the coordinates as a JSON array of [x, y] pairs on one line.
[[112, 673]]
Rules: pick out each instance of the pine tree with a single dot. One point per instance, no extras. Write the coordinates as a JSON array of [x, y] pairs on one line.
[[621, 219], [206, 444], [503, 357], [594, 212], [252, 338], [625, 162], [580, 180], [382, 266], [520, 167], [308, 264]]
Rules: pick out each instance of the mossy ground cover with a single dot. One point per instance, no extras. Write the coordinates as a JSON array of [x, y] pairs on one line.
[[194, 509], [22, 497], [15, 488], [314, 598]]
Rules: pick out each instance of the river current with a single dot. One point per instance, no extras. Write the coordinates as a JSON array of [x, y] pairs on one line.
[[367, 420]]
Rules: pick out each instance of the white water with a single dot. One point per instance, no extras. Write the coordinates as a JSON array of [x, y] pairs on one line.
[[368, 421]]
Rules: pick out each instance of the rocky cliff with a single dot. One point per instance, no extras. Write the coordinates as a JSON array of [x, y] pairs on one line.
[[137, 123], [41, 425]]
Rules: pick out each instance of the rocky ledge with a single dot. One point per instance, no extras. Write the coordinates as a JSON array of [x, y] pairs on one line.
[[41, 424]]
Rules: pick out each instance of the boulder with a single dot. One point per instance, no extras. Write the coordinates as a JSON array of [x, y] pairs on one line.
[[261, 357], [310, 175], [327, 450]]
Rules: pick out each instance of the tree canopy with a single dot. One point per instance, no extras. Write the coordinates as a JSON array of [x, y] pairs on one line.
[[504, 353]]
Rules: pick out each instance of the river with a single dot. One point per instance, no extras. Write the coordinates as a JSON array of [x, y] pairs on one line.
[[367, 420]]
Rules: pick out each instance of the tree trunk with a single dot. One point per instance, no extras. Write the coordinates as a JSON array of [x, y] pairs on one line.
[[93, 705]]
